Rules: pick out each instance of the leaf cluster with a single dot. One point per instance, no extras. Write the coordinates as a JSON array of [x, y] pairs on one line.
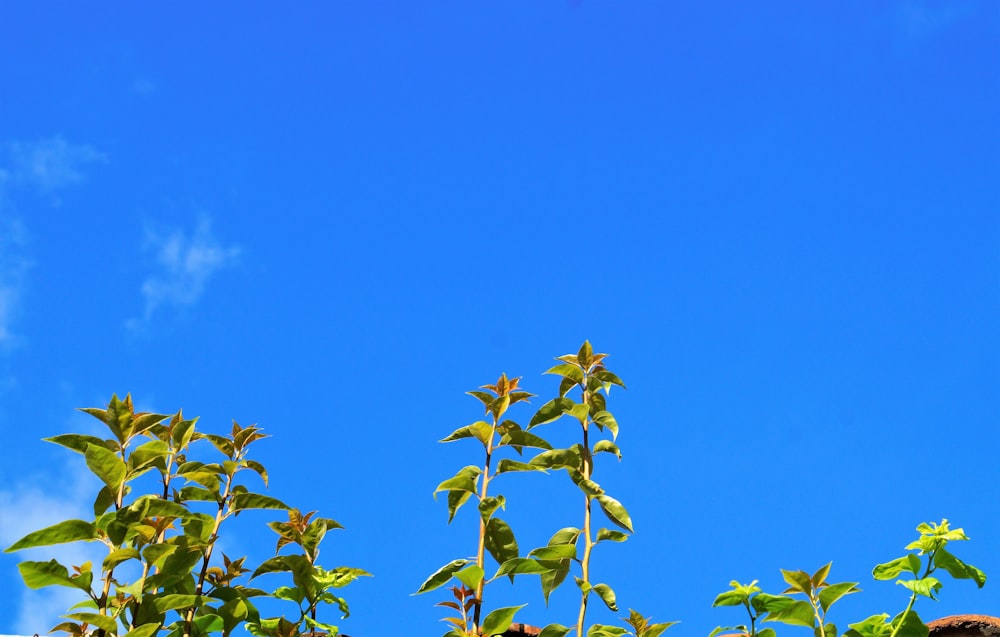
[[160, 572]]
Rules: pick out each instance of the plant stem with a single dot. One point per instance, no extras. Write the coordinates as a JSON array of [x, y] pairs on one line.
[[588, 545], [913, 596], [481, 550], [219, 517]]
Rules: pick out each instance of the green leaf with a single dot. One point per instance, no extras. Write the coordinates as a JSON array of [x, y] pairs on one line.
[[552, 410], [500, 540], [614, 536], [818, 578], [157, 507], [957, 568], [552, 579], [464, 480], [507, 466], [244, 501], [798, 581], [580, 412], [604, 419], [79, 442], [790, 611], [607, 596], [499, 620], [833, 592], [607, 377], [910, 625], [441, 576], [555, 630], [259, 468], [164, 603], [104, 500], [730, 598], [154, 554], [521, 438], [608, 447], [600, 630], [146, 455], [554, 552], [480, 430], [590, 488], [926, 586], [197, 494], [571, 372], [52, 573], [558, 459], [117, 556], [874, 626], [209, 623], [909, 563], [104, 622], [146, 630], [106, 465], [585, 357], [67, 531], [567, 535], [489, 505], [455, 501], [521, 566], [471, 576], [615, 512]]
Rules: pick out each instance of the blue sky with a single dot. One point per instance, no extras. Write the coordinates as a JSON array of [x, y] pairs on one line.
[[333, 219]]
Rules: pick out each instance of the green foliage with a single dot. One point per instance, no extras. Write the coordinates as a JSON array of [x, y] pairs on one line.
[[584, 386], [821, 595], [495, 537], [160, 572]]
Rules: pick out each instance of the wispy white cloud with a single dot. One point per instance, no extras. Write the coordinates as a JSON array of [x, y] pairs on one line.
[[14, 265], [184, 263], [25, 508], [51, 164], [48, 166]]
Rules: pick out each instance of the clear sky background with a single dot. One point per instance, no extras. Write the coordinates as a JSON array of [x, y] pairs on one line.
[[780, 219]]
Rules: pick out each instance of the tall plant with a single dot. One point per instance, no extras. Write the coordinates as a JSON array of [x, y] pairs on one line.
[[589, 381], [494, 536], [160, 571]]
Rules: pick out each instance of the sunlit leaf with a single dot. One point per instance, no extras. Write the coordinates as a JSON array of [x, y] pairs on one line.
[[926, 586], [607, 596], [957, 568], [500, 540], [565, 370], [489, 505], [106, 465], [521, 566], [52, 573], [67, 531], [614, 536], [499, 620], [555, 630], [441, 576], [243, 501], [550, 411], [615, 512], [890, 570], [608, 447], [470, 576], [833, 592], [605, 419]]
